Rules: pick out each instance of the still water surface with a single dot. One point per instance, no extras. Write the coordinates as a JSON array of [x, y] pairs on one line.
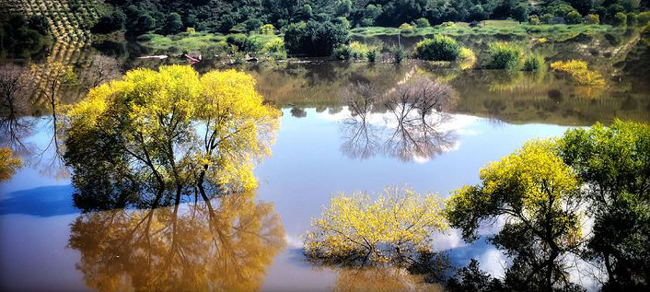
[[253, 242]]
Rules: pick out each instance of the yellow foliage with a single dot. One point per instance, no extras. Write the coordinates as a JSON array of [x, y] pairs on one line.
[[398, 223], [580, 72], [181, 126], [467, 58], [8, 164]]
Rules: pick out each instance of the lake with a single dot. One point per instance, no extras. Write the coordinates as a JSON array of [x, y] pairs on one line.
[[254, 241]]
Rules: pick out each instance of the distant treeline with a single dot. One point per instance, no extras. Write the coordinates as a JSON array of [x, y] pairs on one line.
[[227, 16]]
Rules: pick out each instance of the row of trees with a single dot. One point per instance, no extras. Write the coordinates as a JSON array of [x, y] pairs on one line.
[[165, 16]]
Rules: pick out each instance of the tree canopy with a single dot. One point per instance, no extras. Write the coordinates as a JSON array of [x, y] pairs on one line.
[[169, 130]]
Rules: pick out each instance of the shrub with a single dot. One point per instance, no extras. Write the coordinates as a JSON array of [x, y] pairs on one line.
[[573, 17], [467, 57], [399, 55], [620, 19], [406, 28], [534, 20], [439, 48], [643, 18], [355, 50], [343, 53], [190, 30], [448, 24], [275, 48], [422, 22], [314, 38], [372, 55], [579, 71], [267, 29], [632, 19], [504, 56], [546, 18], [592, 19], [534, 62], [253, 25]]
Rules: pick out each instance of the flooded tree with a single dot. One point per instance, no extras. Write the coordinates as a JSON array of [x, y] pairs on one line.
[[413, 129], [179, 131], [539, 198], [14, 90], [393, 229], [614, 164], [224, 244]]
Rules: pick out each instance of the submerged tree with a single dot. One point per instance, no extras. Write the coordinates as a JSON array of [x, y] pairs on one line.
[[14, 90], [539, 198], [220, 245], [614, 163], [357, 231], [171, 130]]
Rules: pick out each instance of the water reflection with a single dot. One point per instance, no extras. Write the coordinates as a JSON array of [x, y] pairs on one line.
[[381, 279], [412, 128], [221, 245]]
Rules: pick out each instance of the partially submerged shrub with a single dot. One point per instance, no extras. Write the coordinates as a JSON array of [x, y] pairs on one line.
[[399, 55], [534, 20], [275, 49], [467, 58], [504, 56], [534, 62], [579, 71], [355, 50], [398, 225], [439, 48]]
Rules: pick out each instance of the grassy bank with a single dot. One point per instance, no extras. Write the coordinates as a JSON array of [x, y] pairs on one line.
[[488, 27]]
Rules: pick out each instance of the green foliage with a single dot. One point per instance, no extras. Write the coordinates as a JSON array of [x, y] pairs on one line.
[[614, 162], [267, 29], [534, 20], [21, 37], [520, 12], [539, 197], [314, 38], [406, 28], [620, 19], [592, 19], [173, 24], [253, 25], [355, 51], [504, 56], [534, 62], [422, 22], [275, 49], [632, 19], [573, 17], [438, 48], [399, 55], [644, 18]]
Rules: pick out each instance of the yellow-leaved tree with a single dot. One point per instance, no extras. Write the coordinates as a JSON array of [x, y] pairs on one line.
[[395, 228], [8, 164], [169, 132], [538, 197]]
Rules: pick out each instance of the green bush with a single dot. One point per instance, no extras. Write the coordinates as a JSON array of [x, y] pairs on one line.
[[399, 55], [643, 18], [504, 56], [632, 19], [406, 28], [343, 53], [573, 17], [372, 55], [592, 19], [534, 62], [314, 38], [422, 22], [534, 20], [620, 19], [439, 48], [546, 18]]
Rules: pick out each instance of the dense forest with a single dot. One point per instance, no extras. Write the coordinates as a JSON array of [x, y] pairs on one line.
[[224, 16]]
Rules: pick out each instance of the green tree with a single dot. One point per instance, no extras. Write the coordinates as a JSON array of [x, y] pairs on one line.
[[614, 162], [438, 48], [520, 12], [573, 17], [314, 38], [620, 19], [173, 24], [538, 196]]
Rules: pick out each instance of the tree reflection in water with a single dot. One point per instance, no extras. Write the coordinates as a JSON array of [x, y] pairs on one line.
[[412, 129], [220, 245], [381, 279]]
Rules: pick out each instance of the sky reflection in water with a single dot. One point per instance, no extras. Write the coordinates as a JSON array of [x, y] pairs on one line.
[[309, 164]]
